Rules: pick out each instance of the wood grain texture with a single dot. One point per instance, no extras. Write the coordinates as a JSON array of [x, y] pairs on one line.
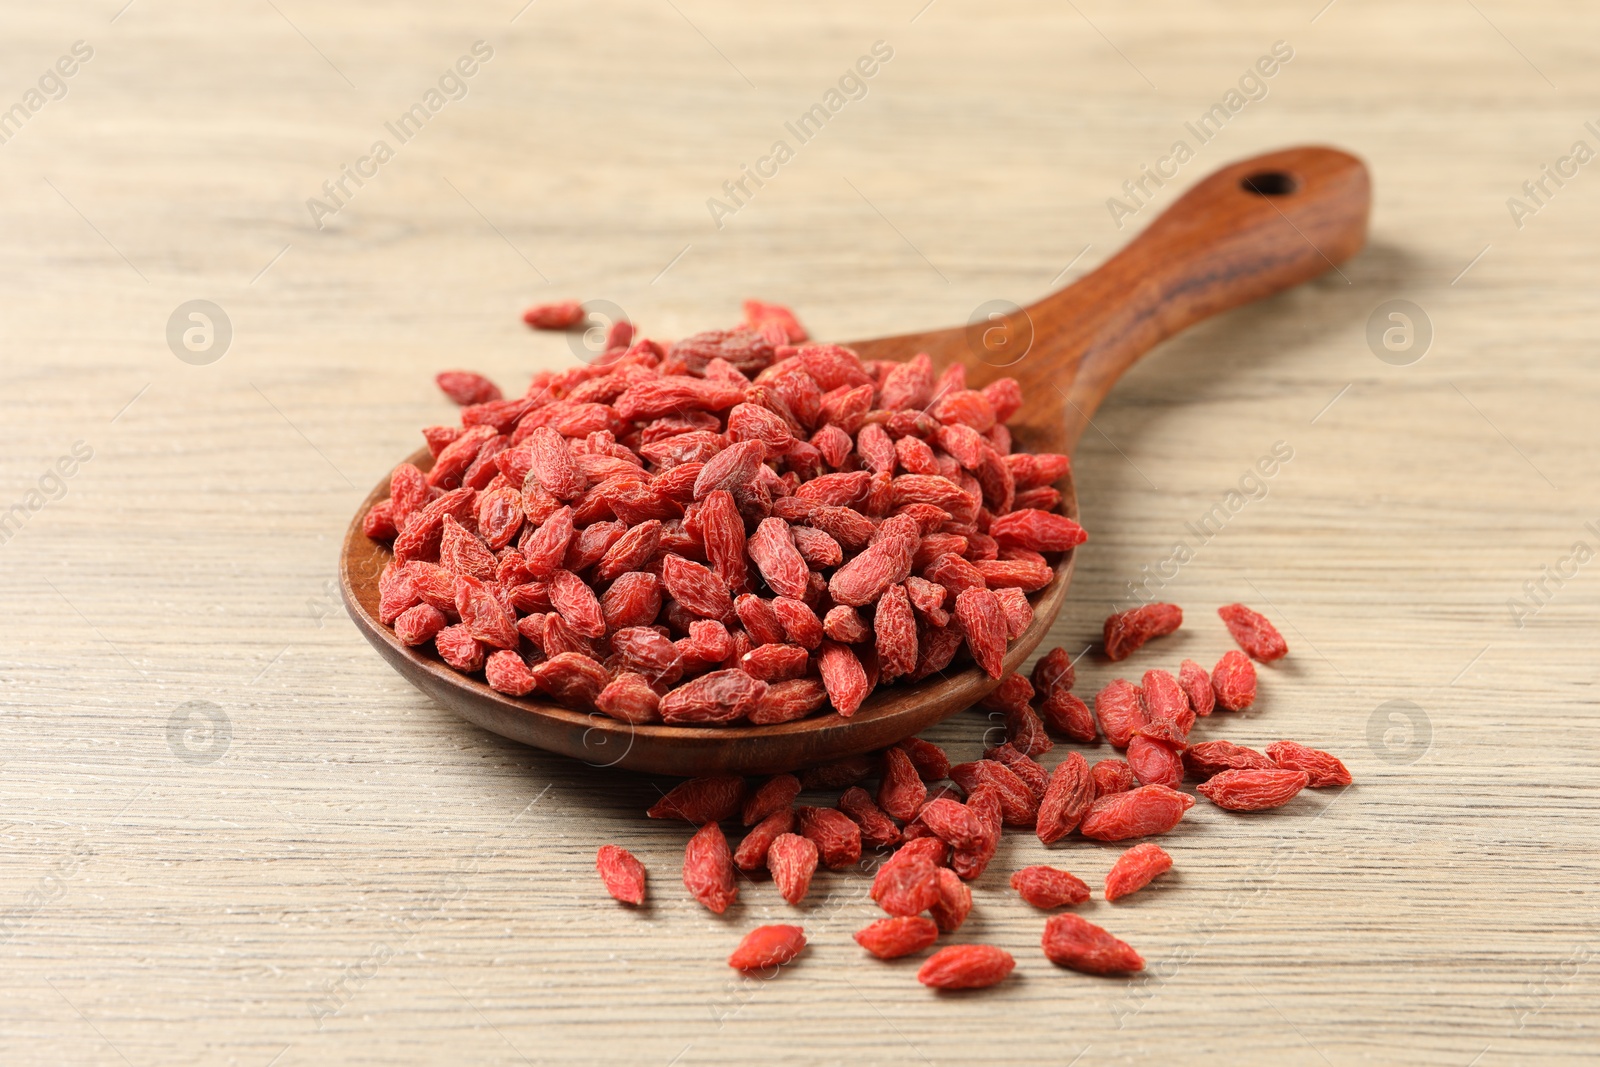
[[361, 878]]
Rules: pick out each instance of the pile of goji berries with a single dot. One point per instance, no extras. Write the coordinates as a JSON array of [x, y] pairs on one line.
[[737, 527], [935, 826]]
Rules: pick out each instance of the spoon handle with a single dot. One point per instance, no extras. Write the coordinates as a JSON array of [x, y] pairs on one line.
[[1247, 231]]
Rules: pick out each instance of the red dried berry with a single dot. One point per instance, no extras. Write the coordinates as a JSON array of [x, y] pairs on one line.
[[837, 837], [966, 967], [1210, 758], [767, 946], [901, 792], [1112, 776], [1041, 531], [713, 699], [1322, 768], [1196, 685], [955, 899], [792, 859], [708, 871], [467, 387], [1064, 714], [877, 829], [929, 759], [1073, 941], [1253, 790], [1165, 700], [751, 855], [506, 672], [1054, 671], [907, 888], [1142, 812], [952, 821], [775, 794], [1135, 868], [843, 676], [1233, 680], [1032, 773], [1067, 799], [701, 800], [1120, 709], [1126, 631], [889, 939], [1017, 804], [623, 875], [984, 626], [1155, 762], [1049, 887], [1258, 637], [558, 315]]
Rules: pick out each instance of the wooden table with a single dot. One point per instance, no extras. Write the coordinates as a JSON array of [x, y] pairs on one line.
[[341, 872]]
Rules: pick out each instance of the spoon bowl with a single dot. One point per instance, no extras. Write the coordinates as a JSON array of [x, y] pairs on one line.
[[1247, 231]]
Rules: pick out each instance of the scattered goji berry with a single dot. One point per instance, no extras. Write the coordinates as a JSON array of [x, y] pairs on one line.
[[767, 946], [1257, 636], [1253, 790], [889, 939], [708, 871], [792, 859], [1141, 812], [1127, 631], [1073, 941], [1067, 799], [1233, 680], [1210, 758], [966, 967], [1322, 768], [1049, 887], [623, 875], [1135, 868]]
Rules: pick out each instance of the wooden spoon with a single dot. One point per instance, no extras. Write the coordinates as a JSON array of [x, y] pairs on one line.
[[1245, 232]]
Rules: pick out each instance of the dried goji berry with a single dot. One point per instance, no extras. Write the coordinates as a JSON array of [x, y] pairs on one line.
[[1258, 637], [1213, 757], [900, 791], [1067, 799], [775, 794], [1033, 775], [1073, 941], [929, 759], [1155, 761], [792, 859], [1135, 868], [1233, 680], [623, 875], [1126, 631], [701, 800], [966, 967], [1120, 709], [751, 855], [837, 837], [1253, 790], [1049, 887], [1112, 776], [955, 900], [907, 888], [767, 946], [877, 829], [1141, 812], [1322, 768], [1196, 685], [557, 315], [1063, 713], [708, 871], [889, 939]]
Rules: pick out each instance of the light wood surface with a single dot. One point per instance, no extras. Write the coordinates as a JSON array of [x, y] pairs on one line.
[[363, 878]]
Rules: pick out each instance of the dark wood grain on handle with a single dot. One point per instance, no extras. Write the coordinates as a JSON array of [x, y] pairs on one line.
[[1220, 245]]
